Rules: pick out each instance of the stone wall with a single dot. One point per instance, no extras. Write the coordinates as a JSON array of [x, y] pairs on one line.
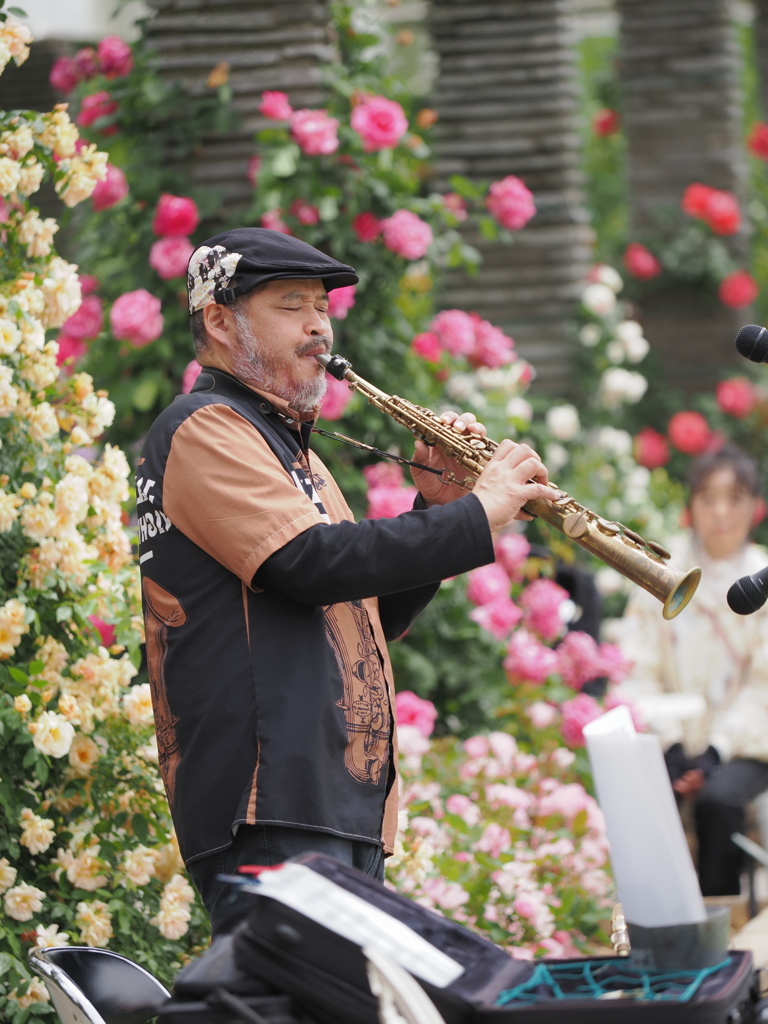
[[508, 104], [272, 44], [681, 110]]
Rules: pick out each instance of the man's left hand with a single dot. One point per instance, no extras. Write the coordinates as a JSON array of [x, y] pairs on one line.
[[432, 488]]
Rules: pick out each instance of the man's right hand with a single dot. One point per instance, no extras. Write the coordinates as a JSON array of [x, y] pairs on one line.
[[514, 476]]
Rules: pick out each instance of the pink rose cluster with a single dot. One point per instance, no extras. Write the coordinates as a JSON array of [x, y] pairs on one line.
[[736, 397], [379, 122], [94, 107], [387, 494], [314, 131], [415, 711], [340, 301], [465, 335], [510, 202], [82, 326], [135, 317], [112, 58], [336, 399], [174, 219], [489, 590]]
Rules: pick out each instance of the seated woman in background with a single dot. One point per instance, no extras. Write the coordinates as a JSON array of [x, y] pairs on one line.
[[700, 681]]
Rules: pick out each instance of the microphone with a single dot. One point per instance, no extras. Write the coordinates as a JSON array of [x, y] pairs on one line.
[[749, 593], [752, 343]]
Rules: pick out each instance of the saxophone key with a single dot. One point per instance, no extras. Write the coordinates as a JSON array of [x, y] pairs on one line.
[[576, 525]]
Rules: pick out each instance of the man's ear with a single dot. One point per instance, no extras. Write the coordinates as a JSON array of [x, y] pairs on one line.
[[220, 324]]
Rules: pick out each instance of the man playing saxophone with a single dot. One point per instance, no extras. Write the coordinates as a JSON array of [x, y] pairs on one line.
[[268, 608]]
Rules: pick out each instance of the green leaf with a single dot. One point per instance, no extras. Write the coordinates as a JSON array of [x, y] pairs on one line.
[[140, 827], [488, 228], [145, 394], [35, 667], [18, 12], [17, 675], [285, 161], [329, 208], [63, 613]]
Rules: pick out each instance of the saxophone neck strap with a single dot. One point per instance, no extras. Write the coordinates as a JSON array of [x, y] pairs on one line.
[[445, 476]]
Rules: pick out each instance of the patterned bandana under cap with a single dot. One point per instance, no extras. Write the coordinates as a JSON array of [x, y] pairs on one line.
[[235, 262]]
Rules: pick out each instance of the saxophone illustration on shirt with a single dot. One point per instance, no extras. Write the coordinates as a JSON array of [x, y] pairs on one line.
[[163, 611], [365, 702]]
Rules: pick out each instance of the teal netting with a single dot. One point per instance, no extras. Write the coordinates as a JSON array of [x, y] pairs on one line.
[[598, 979]]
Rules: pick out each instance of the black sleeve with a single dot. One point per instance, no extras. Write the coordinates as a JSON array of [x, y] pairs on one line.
[[413, 552]]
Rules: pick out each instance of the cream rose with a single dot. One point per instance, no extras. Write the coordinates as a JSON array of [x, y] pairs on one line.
[[23, 901], [52, 734]]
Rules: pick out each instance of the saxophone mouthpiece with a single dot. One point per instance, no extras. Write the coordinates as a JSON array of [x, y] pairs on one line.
[[335, 365]]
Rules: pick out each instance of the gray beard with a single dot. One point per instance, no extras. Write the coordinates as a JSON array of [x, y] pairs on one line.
[[251, 366]]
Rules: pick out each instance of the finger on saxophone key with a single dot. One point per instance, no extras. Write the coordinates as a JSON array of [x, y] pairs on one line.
[[513, 476]]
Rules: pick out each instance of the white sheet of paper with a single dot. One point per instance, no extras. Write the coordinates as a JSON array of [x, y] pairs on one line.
[[321, 900], [652, 864]]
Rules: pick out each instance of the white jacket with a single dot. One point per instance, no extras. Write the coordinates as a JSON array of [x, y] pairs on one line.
[[716, 657]]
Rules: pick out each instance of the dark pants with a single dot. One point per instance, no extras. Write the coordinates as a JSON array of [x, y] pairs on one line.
[[719, 811], [268, 845]]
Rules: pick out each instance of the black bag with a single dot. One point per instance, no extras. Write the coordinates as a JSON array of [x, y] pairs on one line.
[[300, 937]]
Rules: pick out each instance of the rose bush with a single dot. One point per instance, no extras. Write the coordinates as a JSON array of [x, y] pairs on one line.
[[87, 854]]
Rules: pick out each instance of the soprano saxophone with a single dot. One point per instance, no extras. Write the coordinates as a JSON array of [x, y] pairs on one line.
[[641, 561]]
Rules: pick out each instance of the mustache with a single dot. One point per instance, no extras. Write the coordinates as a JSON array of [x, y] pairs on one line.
[[310, 346]]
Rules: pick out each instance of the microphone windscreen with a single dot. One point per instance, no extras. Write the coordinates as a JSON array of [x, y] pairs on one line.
[[752, 343], [744, 597]]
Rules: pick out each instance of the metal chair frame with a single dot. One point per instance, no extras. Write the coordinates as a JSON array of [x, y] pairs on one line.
[[76, 1005]]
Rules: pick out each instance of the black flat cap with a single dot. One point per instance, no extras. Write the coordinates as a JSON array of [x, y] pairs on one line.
[[235, 262]]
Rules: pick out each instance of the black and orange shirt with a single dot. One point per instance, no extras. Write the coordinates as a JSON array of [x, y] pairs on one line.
[[267, 613]]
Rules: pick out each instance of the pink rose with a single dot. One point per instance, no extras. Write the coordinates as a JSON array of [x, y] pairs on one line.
[[407, 235], [605, 122], [486, 584], [70, 348], [722, 212], [492, 347], [169, 256], [115, 57], [413, 710], [494, 841], [275, 106], [136, 318], [579, 659], [94, 106], [641, 263], [567, 801], [87, 320], [427, 345], [87, 62], [463, 807], [455, 330], [651, 449], [541, 602], [366, 226], [105, 630], [341, 300], [272, 219], [335, 400], [512, 549], [454, 202], [175, 215], [383, 474], [528, 660], [541, 714], [614, 665], [476, 747], [88, 283], [379, 122], [65, 75], [736, 397], [738, 289], [252, 171], [315, 132], [497, 617], [388, 502], [110, 190], [510, 203], [578, 712], [689, 432], [304, 212], [190, 375]]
